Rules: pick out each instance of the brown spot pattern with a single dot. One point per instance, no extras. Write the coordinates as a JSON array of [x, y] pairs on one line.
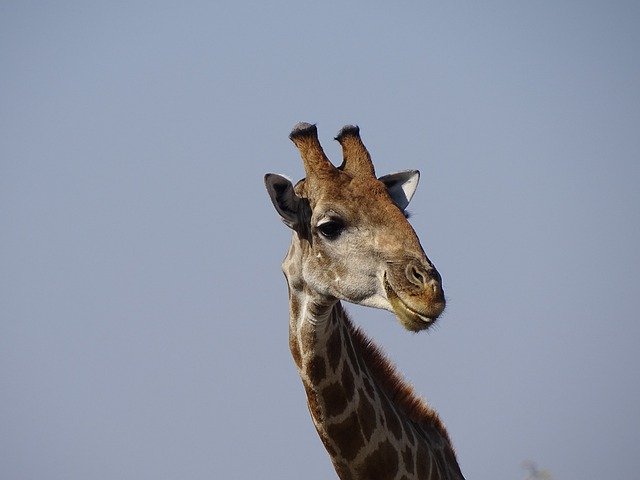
[[334, 349], [335, 399], [368, 387], [355, 363], [312, 403], [327, 443], [407, 459], [423, 463], [316, 369], [343, 471], [410, 435], [347, 437], [387, 380], [347, 381], [451, 461], [367, 416], [393, 422], [381, 464]]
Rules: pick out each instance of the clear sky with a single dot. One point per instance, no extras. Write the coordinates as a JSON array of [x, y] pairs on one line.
[[144, 315]]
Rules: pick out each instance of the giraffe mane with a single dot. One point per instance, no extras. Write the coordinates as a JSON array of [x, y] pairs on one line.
[[393, 384]]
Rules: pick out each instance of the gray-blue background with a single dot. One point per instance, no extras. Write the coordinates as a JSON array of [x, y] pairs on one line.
[[144, 315]]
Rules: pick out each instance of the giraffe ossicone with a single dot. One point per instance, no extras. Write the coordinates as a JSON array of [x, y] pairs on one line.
[[352, 242]]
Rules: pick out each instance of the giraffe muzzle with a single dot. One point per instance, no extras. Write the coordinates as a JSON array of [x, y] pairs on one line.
[[415, 294]]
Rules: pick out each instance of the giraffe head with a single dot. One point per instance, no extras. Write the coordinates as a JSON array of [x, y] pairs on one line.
[[352, 240]]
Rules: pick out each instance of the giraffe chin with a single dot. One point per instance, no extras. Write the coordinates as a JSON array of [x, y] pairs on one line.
[[409, 318]]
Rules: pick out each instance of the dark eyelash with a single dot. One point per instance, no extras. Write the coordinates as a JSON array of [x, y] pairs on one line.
[[331, 229]]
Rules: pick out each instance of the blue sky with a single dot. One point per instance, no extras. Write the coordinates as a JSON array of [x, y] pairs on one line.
[[144, 325]]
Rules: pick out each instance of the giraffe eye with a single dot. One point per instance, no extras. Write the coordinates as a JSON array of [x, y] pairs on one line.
[[331, 229]]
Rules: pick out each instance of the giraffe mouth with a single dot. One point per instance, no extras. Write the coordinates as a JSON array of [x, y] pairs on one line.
[[408, 317]]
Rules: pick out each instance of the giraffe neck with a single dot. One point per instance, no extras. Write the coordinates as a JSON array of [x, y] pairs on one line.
[[366, 416]]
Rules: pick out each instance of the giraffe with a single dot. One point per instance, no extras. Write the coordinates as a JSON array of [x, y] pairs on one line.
[[352, 242]]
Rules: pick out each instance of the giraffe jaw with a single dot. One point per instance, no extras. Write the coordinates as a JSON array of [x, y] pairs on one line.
[[408, 317]]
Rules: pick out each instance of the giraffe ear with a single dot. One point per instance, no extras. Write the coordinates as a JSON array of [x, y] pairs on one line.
[[283, 197], [401, 186]]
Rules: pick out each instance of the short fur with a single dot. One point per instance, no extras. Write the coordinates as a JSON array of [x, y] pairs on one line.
[[371, 257], [394, 385]]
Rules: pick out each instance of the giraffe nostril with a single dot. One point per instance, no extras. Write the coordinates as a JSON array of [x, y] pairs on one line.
[[423, 276], [417, 275]]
